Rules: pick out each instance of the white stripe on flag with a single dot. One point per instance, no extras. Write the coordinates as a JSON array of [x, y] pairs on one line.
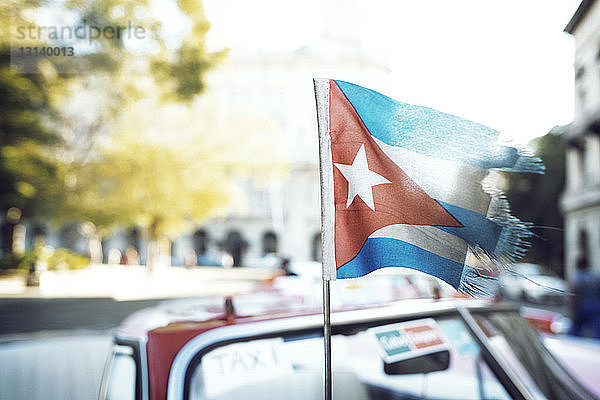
[[448, 181], [428, 238]]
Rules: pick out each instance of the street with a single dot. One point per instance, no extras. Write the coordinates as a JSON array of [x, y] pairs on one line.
[[29, 315]]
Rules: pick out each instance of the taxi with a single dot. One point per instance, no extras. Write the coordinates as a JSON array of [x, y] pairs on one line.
[[265, 345]]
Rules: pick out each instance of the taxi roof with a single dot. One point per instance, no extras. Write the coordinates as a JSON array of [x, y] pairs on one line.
[[205, 313], [285, 297]]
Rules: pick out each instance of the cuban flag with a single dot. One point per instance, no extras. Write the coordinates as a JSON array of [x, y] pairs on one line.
[[409, 186]]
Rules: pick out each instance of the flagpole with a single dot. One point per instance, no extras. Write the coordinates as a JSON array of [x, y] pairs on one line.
[[327, 220], [327, 339]]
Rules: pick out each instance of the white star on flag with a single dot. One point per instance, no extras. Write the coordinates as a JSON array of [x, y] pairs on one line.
[[360, 179]]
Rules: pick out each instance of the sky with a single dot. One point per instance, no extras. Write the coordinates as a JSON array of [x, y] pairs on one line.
[[505, 64]]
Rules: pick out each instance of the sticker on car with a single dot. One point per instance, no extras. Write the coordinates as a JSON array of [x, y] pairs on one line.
[[408, 339]]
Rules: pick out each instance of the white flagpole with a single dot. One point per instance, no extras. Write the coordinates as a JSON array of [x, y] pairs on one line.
[[327, 220]]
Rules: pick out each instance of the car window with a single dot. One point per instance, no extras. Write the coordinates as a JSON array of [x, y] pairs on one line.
[[291, 368], [121, 373], [522, 350]]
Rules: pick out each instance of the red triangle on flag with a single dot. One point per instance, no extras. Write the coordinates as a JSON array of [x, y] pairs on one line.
[[401, 201]]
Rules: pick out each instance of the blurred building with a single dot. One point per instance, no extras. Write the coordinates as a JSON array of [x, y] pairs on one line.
[[283, 217], [581, 198]]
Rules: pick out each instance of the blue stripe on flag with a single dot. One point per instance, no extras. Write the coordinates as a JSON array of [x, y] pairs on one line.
[[386, 252], [428, 131], [477, 229]]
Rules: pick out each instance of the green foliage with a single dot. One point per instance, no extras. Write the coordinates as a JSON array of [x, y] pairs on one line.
[[9, 262], [535, 198], [59, 259], [66, 259], [185, 68], [54, 259], [29, 172]]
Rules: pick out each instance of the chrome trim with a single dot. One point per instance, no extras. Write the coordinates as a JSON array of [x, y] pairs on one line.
[[105, 373], [144, 364], [175, 388], [114, 350], [143, 354], [484, 344]]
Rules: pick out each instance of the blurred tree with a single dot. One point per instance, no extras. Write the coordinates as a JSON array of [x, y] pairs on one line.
[[55, 115], [171, 169], [31, 174], [115, 136], [184, 70], [29, 170], [535, 198]]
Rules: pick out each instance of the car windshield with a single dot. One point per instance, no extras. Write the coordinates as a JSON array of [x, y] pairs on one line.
[[522, 350], [291, 368], [481, 354]]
